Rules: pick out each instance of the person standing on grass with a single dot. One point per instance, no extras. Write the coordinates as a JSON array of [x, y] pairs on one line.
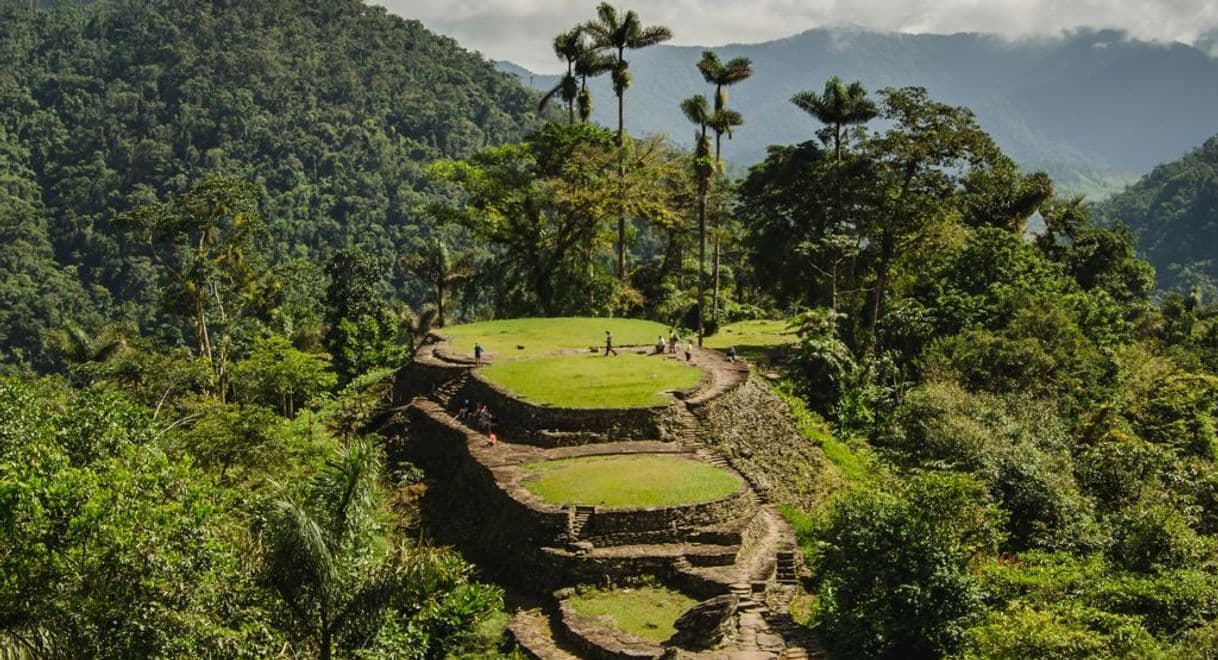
[[689, 350], [478, 353], [609, 344], [672, 343]]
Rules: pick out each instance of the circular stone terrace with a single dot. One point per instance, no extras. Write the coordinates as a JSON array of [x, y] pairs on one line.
[[562, 362], [602, 476]]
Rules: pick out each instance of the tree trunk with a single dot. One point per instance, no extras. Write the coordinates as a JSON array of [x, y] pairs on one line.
[[440, 304], [701, 258], [881, 283], [715, 266], [621, 174], [715, 282]]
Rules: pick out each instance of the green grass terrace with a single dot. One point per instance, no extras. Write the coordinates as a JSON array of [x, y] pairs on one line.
[[542, 336], [629, 481], [645, 612], [581, 380]]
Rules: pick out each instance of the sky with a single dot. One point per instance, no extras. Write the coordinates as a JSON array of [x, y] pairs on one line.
[[520, 31]]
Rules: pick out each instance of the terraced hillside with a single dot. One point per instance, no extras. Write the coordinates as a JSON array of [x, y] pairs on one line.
[[607, 518]]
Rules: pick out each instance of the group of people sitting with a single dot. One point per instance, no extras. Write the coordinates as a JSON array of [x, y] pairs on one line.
[[670, 346], [478, 417]]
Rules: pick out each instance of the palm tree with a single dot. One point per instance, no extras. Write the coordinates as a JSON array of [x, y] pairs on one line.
[[589, 65], [77, 347], [568, 46], [414, 326], [839, 106], [436, 265], [722, 76], [616, 33], [697, 110], [321, 552]]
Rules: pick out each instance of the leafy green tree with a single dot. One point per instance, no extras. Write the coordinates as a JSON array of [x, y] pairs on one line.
[[276, 374], [616, 33], [109, 547], [916, 165], [894, 569], [361, 331], [545, 202], [206, 244]]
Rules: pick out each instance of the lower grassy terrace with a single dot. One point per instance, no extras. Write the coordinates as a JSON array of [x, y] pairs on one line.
[[645, 612], [629, 481]]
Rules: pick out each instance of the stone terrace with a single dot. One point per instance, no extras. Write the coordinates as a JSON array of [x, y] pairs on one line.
[[737, 549]]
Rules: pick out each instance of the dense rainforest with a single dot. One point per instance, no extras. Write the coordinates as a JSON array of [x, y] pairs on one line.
[[1174, 212], [227, 224], [329, 108]]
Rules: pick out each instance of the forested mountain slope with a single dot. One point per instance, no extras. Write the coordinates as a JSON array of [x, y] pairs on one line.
[[1081, 107], [331, 107], [1174, 212]]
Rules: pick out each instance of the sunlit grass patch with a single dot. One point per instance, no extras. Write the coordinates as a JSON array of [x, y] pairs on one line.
[[629, 480]]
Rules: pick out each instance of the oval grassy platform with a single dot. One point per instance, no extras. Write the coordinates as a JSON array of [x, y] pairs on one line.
[[629, 481], [539, 336], [645, 612], [582, 380]]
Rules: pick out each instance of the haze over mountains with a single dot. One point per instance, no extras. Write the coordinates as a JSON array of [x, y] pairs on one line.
[[1093, 108]]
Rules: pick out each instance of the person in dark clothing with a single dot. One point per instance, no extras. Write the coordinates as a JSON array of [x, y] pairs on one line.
[[478, 352], [609, 344]]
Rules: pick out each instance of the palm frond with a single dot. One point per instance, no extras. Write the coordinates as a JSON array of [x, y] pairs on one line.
[[650, 36]]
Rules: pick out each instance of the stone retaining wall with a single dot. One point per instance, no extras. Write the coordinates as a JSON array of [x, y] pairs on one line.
[[599, 642], [755, 430], [524, 422], [493, 517]]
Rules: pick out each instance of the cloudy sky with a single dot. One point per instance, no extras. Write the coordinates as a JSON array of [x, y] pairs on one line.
[[520, 30]]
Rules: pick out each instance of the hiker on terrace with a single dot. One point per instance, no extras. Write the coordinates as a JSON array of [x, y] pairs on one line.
[[464, 411], [609, 344], [731, 354], [660, 345], [672, 343], [478, 351], [689, 350]]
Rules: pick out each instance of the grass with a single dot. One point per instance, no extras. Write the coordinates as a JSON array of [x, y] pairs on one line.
[[539, 336], [755, 341], [582, 380], [627, 481], [645, 612]]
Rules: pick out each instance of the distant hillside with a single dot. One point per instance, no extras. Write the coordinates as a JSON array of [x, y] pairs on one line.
[[1174, 211], [330, 106], [1095, 109]]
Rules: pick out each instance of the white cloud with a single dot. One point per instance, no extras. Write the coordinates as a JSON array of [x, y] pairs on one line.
[[520, 30]]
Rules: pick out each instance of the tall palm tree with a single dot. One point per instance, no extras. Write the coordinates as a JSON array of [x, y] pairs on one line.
[[723, 75], [697, 110], [839, 106], [321, 551], [616, 33], [723, 121], [76, 346], [568, 46]]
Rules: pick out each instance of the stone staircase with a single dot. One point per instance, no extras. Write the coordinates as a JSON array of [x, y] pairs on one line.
[[786, 572], [444, 394], [578, 518]]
